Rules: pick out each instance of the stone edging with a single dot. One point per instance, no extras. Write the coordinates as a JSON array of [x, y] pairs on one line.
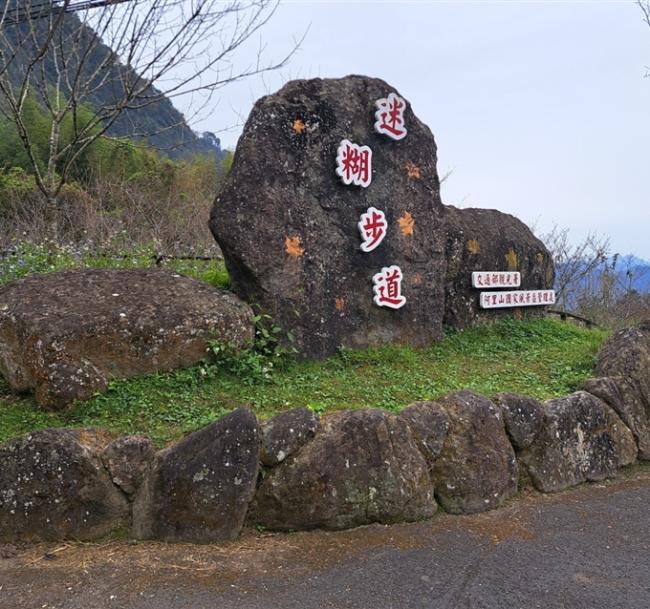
[[464, 452]]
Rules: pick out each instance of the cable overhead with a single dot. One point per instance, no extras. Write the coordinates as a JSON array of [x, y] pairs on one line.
[[45, 9]]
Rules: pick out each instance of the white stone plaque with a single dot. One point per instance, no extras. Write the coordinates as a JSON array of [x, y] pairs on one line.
[[496, 279], [518, 298]]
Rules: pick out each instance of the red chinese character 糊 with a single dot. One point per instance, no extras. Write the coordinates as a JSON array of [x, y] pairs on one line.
[[354, 164], [388, 288], [390, 116], [372, 227]]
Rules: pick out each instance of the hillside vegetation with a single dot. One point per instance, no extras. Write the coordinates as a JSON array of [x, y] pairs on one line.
[[122, 198], [165, 127]]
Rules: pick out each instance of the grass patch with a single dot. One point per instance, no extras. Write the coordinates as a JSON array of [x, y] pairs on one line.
[[541, 358], [29, 259]]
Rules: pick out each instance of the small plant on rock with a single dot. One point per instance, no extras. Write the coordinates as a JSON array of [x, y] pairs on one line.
[[269, 350]]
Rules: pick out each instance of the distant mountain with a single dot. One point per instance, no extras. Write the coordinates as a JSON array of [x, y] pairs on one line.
[[165, 126], [629, 272]]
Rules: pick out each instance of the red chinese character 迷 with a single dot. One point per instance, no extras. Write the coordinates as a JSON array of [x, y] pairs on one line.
[[372, 227], [390, 116], [354, 164], [388, 288]]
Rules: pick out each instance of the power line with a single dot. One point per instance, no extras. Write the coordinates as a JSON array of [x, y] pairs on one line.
[[45, 9]]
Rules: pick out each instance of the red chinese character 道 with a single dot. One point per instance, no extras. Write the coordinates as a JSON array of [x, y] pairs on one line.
[[354, 164], [388, 288], [372, 227], [390, 116]]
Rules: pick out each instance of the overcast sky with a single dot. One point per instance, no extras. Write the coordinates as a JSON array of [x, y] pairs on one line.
[[539, 109]]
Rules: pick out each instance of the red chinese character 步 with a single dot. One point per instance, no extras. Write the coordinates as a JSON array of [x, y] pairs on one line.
[[354, 164], [372, 227], [388, 288], [390, 116]]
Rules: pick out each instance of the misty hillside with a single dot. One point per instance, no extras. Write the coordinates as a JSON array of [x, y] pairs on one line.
[[164, 125]]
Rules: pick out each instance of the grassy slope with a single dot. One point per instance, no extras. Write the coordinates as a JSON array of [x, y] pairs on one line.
[[541, 358]]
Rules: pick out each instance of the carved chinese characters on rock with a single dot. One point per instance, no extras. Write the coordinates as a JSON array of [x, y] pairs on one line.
[[387, 287], [354, 164], [372, 227], [354, 167], [390, 117]]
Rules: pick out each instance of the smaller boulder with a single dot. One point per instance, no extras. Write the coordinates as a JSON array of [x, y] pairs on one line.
[[477, 469], [65, 335], [199, 490], [523, 417], [363, 466], [429, 424], [54, 486], [625, 396], [581, 439], [127, 460], [489, 240], [285, 433], [627, 353]]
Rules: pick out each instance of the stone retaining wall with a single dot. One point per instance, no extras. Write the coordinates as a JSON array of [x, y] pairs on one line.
[[464, 452]]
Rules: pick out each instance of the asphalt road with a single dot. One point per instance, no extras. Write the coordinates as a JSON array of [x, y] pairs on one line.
[[586, 548]]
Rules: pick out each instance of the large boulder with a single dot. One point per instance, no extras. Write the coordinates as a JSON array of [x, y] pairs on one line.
[[53, 486], [199, 490], [64, 335], [362, 467], [581, 439], [287, 225], [477, 469], [489, 240]]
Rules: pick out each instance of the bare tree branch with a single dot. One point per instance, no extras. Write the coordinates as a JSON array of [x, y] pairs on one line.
[[118, 57]]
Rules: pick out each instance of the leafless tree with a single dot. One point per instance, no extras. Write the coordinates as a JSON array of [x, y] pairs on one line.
[[595, 284], [135, 53], [575, 263]]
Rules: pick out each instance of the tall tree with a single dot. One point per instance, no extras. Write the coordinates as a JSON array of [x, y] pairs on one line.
[[118, 57]]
